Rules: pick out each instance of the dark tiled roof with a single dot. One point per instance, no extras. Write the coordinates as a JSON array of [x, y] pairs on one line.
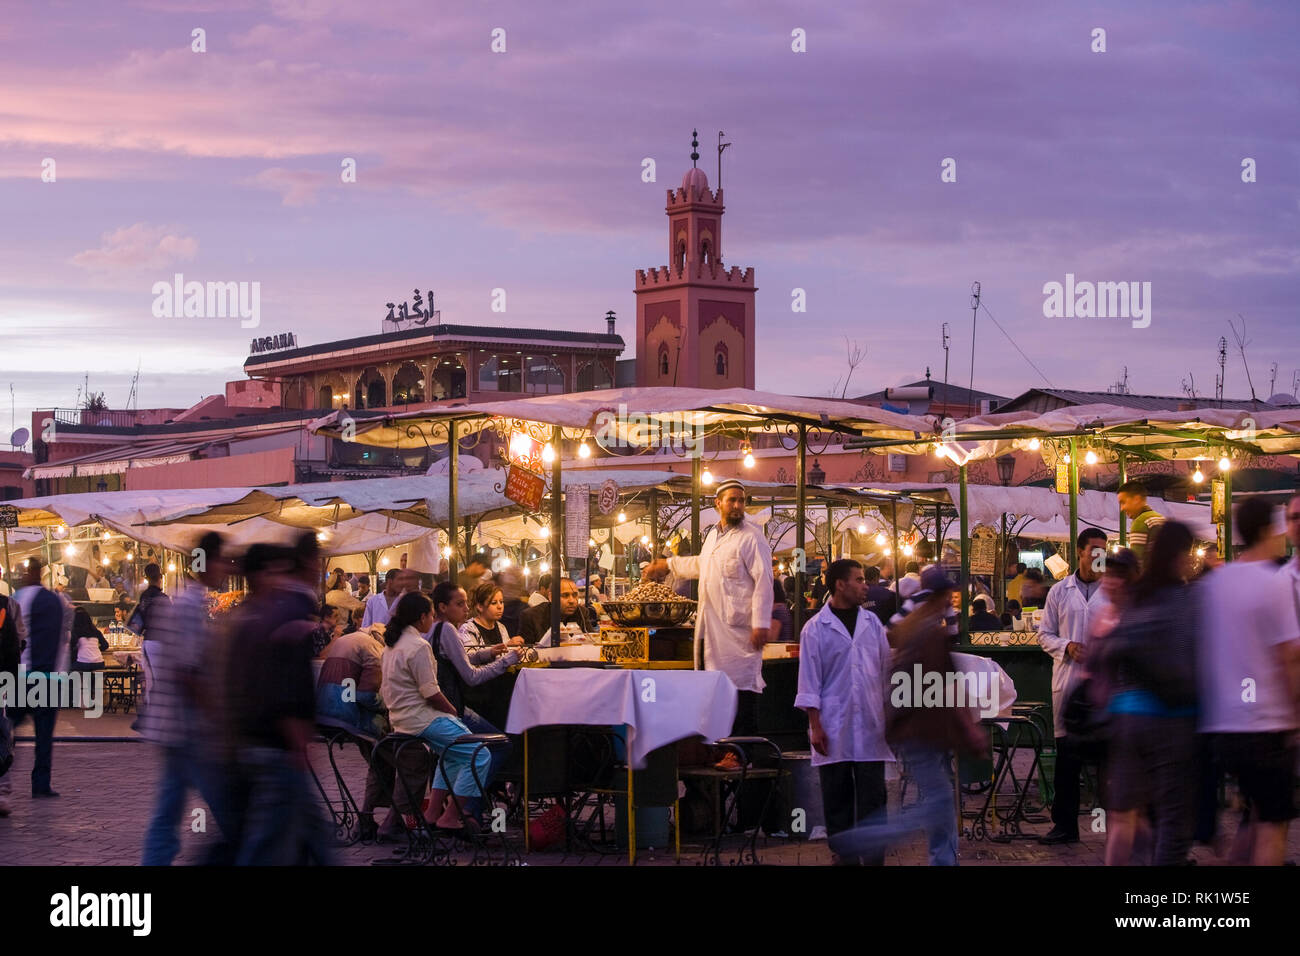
[[956, 394], [442, 332], [241, 422], [1152, 403]]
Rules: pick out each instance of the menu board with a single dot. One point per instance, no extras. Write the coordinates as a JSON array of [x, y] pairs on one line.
[[577, 520], [524, 488], [983, 554]]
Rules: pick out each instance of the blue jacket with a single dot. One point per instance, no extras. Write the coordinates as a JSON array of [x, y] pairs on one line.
[[45, 630]]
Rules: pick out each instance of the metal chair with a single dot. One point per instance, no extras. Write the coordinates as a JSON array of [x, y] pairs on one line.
[[405, 790], [744, 748], [481, 840], [347, 814]]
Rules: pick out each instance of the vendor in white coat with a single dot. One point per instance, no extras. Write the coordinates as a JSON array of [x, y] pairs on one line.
[[1063, 633], [844, 669], [734, 569]]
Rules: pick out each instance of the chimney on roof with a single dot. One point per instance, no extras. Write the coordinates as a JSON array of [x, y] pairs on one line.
[[609, 320]]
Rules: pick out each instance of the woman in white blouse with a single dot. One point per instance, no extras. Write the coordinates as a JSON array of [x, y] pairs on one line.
[[417, 706]]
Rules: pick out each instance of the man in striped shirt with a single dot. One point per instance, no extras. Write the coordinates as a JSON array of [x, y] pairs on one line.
[[1142, 517]]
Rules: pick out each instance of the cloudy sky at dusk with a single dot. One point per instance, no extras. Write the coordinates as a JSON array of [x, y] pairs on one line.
[[522, 170]]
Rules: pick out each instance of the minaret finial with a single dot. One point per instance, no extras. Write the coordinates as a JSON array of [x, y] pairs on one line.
[[695, 146]]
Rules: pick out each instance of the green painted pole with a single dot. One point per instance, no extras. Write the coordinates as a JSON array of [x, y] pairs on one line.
[[963, 576], [557, 532], [1074, 504], [453, 503], [1123, 518], [800, 510], [1227, 515]]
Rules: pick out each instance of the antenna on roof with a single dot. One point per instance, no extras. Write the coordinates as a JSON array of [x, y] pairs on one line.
[[1189, 386], [945, 368], [132, 399], [1218, 381], [721, 147], [1240, 338]]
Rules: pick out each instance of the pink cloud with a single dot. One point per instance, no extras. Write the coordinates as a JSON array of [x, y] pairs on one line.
[[139, 246]]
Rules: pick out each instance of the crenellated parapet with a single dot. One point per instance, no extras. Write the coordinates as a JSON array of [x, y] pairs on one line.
[[700, 195], [714, 272]]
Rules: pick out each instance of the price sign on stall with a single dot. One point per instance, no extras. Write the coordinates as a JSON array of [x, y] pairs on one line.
[[1062, 478], [8, 516], [525, 488]]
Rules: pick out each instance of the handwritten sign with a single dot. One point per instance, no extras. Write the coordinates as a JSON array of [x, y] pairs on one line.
[[524, 488], [8, 516], [1062, 478], [577, 520]]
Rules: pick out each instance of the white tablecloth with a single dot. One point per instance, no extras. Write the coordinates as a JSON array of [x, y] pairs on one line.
[[659, 707]]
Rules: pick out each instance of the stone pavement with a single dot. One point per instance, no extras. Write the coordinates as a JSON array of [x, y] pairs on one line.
[[107, 792]]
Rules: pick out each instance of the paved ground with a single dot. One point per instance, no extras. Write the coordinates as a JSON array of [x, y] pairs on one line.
[[107, 791]]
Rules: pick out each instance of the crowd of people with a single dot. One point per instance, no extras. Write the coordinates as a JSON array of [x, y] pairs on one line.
[[1171, 681]]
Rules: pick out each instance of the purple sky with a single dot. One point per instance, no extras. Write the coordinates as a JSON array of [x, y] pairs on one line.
[[522, 171]]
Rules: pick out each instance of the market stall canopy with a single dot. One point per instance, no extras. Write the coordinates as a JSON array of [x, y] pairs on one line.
[[620, 414], [1108, 428]]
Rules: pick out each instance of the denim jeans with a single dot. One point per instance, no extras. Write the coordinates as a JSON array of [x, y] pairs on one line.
[[43, 720], [181, 773], [499, 753], [283, 824], [454, 771], [935, 812]]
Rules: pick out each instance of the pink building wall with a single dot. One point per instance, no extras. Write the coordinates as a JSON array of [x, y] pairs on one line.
[[274, 466]]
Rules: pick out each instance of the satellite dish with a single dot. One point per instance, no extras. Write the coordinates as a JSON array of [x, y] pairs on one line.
[[19, 437]]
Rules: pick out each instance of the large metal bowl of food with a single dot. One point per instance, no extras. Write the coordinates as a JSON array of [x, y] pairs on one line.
[[650, 605]]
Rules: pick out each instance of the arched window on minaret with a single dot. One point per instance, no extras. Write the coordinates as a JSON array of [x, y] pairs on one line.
[[706, 253], [663, 360], [681, 255], [720, 360]]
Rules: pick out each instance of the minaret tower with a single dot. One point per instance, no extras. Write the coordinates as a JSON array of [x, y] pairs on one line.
[[695, 317]]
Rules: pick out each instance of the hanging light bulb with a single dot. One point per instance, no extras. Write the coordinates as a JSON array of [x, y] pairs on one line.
[[1066, 458], [584, 450], [322, 536], [862, 527], [546, 531], [505, 562], [1225, 463], [105, 536], [105, 562], [622, 517], [130, 555], [1200, 552], [446, 551], [548, 453], [747, 450], [908, 550], [1035, 444], [645, 539], [781, 567], [591, 542], [1198, 476], [880, 537], [525, 570], [706, 477], [749, 459], [544, 567], [888, 552], [940, 451], [171, 566], [383, 562], [1090, 457]]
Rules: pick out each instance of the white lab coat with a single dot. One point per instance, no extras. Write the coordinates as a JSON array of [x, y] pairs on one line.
[[735, 572], [1066, 617], [847, 681]]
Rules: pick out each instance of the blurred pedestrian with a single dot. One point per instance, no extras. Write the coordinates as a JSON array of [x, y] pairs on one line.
[[1147, 664], [1249, 665], [180, 719], [46, 654]]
